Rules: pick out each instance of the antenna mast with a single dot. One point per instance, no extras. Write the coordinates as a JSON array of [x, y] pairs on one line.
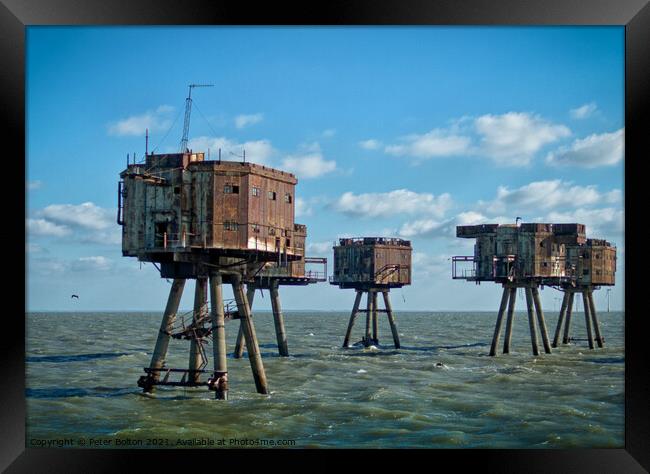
[[188, 111]]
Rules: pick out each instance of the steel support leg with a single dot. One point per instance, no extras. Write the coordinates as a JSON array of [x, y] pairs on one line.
[[511, 317], [162, 342], [540, 320], [249, 335], [200, 294], [531, 320], [353, 316], [497, 328], [220, 375], [560, 319]]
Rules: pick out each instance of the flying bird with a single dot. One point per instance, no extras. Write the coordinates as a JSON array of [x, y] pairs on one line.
[[75, 296]]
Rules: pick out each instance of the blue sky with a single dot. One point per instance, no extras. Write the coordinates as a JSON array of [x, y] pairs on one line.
[[402, 131]]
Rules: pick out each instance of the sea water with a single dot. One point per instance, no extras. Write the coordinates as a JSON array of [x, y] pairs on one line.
[[441, 389]]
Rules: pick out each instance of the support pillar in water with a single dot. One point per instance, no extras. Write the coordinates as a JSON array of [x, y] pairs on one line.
[[511, 317], [353, 316], [249, 335], [497, 328], [391, 319], [162, 342], [219, 381], [540, 319], [240, 343], [560, 319], [278, 320], [531, 320], [200, 294]]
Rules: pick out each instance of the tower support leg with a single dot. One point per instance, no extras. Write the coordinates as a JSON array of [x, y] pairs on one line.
[[560, 319], [249, 335], [278, 320], [511, 317], [162, 342], [531, 320], [375, 337], [540, 320], [366, 339], [585, 304], [391, 319], [353, 316], [569, 312], [219, 381], [594, 319], [497, 328], [200, 293], [240, 343]]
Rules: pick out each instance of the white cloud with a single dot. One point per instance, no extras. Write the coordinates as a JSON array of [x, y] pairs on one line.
[[426, 265], [86, 215], [606, 223], [90, 264], [330, 132], [302, 208], [244, 120], [430, 228], [400, 201], [49, 266], [33, 248], [437, 142], [33, 185], [470, 218], [584, 111], [111, 236], [41, 227], [514, 137], [422, 227], [320, 247], [257, 151], [510, 139], [311, 165], [155, 120], [592, 151], [370, 144], [546, 195], [88, 223], [613, 197]]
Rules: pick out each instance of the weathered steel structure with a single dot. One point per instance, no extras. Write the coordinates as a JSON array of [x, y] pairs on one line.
[[372, 265], [217, 221], [273, 275], [529, 256]]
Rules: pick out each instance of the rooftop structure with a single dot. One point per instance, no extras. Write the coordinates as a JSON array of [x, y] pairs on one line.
[[222, 221], [531, 255], [372, 262], [548, 254], [182, 212], [372, 265]]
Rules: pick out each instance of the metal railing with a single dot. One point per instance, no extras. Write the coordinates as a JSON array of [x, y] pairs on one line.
[[387, 270], [316, 275], [463, 273], [560, 267], [374, 240]]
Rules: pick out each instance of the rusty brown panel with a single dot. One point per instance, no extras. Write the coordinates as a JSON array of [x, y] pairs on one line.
[[208, 198], [244, 218]]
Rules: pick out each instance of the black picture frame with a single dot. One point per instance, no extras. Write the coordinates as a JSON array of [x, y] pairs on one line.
[[15, 15]]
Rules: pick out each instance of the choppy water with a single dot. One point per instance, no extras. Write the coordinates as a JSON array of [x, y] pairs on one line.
[[82, 370]]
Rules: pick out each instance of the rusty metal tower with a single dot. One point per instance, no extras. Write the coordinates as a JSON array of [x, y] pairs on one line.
[[214, 222], [372, 265], [273, 275], [534, 255]]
